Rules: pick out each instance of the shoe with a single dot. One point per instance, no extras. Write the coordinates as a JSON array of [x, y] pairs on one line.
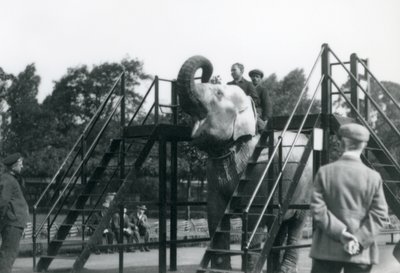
[[141, 249], [97, 252], [146, 249], [110, 251]]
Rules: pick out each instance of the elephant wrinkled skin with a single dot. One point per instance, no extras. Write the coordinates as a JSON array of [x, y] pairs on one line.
[[225, 128]]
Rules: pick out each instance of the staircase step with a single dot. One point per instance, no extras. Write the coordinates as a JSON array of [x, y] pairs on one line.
[[64, 257], [230, 252], [232, 270], [235, 232]]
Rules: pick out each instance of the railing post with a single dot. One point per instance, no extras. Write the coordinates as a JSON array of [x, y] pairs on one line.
[[244, 240], [326, 102], [162, 216], [34, 238], [121, 238], [174, 102], [156, 99], [368, 89], [174, 209], [353, 84], [280, 193]]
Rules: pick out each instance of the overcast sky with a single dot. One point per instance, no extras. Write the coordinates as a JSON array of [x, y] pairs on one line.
[[274, 35]]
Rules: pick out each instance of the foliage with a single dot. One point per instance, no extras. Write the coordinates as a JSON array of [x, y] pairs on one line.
[[285, 93]]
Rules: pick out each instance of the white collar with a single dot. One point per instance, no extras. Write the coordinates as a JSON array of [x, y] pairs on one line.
[[355, 154]]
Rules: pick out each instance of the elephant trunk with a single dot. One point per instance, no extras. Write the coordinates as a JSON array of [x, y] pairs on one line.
[[189, 100]]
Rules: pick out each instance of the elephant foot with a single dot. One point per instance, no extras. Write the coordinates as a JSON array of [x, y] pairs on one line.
[[221, 262]]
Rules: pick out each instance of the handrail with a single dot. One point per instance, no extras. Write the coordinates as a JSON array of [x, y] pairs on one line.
[[284, 130], [142, 102], [386, 151], [378, 82], [84, 160], [366, 94], [88, 128], [272, 192]]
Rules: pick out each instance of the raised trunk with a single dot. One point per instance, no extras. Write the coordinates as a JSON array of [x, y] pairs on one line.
[[186, 87]]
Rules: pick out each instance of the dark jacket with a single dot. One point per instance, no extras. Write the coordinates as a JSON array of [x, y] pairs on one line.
[[141, 223], [265, 102], [347, 195], [249, 89], [14, 209]]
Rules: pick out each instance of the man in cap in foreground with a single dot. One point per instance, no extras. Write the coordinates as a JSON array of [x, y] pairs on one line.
[[141, 226], [348, 208], [14, 211], [256, 76]]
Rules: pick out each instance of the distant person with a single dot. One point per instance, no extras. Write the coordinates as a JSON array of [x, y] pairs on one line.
[[14, 211], [139, 219], [127, 230], [348, 208], [237, 71], [256, 76], [94, 221]]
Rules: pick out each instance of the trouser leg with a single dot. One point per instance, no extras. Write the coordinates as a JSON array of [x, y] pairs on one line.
[[9, 249], [323, 266], [357, 268]]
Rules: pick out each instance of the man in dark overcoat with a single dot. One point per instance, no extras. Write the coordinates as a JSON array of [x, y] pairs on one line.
[[14, 211], [349, 208]]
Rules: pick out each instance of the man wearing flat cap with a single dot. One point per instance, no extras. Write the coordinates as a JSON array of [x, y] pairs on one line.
[[141, 226], [14, 212], [348, 208], [256, 76]]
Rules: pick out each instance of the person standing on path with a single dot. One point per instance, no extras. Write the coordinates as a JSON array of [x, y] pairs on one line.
[[14, 211], [348, 208]]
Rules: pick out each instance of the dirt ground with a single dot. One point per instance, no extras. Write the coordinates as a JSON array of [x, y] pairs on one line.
[[188, 260]]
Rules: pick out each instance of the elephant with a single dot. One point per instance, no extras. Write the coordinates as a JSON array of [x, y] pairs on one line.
[[224, 127]]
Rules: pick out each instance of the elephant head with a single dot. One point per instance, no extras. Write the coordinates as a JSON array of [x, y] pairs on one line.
[[221, 113]]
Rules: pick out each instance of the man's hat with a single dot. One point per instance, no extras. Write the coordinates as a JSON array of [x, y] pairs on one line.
[[143, 207], [256, 72], [354, 131], [11, 159], [106, 204]]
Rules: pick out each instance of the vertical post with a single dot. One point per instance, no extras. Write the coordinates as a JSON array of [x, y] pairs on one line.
[[122, 172], [121, 238], [326, 103], [83, 181], [368, 89], [156, 99], [271, 175], [174, 102], [34, 238], [280, 193], [162, 192], [174, 209], [122, 128], [353, 84], [245, 218]]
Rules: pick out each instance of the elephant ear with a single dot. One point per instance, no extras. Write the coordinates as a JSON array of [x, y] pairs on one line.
[[246, 119]]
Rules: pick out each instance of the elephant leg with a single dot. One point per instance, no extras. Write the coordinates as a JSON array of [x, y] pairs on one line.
[[216, 207], [295, 228], [280, 240]]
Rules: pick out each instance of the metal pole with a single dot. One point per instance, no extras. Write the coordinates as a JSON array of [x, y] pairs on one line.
[[368, 89], [83, 181], [353, 84], [174, 102], [34, 238], [162, 253], [271, 175], [121, 238], [174, 208], [156, 99], [326, 103]]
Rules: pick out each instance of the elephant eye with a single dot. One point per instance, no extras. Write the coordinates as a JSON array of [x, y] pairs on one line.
[[219, 93]]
